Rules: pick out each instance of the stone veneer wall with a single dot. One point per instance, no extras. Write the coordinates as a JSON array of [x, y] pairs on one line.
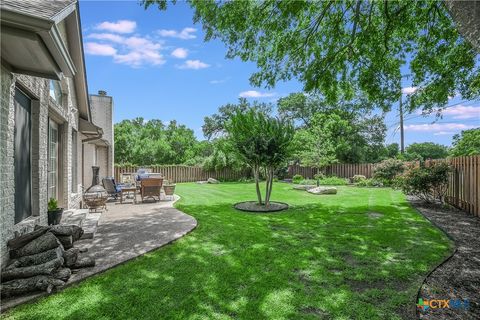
[[43, 107]]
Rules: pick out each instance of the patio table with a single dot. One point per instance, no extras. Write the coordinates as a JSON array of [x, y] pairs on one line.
[[128, 190]]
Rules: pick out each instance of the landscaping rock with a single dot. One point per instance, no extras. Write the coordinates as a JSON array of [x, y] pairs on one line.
[[323, 190], [213, 181], [202, 182], [304, 186]]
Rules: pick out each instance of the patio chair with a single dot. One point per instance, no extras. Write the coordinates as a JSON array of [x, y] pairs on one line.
[[111, 187], [150, 188]]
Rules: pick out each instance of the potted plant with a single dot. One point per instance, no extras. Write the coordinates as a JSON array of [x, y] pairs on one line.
[[54, 212], [169, 188]]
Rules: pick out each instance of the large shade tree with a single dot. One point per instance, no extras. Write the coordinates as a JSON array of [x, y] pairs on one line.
[[263, 142], [341, 48]]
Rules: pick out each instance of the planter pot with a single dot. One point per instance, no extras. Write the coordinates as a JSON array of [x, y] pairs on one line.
[[55, 216], [169, 190]]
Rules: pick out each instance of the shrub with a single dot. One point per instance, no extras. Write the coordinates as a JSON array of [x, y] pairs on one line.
[[52, 204], [358, 177], [369, 183], [332, 181], [319, 176], [387, 170], [308, 182], [427, 183], [297, 178]]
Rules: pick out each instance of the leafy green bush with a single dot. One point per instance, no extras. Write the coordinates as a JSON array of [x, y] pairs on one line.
[[358, 177], [308, 182], [427, 183], [319, 176], [332, 181], [387, 170], [297, 178], [369, 183]]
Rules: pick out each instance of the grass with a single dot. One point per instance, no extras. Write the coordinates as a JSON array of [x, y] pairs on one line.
[[360, 254]]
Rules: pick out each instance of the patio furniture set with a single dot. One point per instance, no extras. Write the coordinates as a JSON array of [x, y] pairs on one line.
[[147, 184]]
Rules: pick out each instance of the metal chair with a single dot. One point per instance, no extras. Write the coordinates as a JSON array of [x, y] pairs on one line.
[[112, 188]]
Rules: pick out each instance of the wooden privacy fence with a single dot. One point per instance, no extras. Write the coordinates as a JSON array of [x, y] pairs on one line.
[[179, 173], [463, 183], [342, 170]]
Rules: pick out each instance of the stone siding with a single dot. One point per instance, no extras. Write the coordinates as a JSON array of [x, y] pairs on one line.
[[44, 107]]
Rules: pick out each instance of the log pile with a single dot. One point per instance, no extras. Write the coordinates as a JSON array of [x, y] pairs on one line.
[[42, 260]]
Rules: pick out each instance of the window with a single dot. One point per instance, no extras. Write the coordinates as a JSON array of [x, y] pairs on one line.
[[56, 91], [52, 178], [74, 162]]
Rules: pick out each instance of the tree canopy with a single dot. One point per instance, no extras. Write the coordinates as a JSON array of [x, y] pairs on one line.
[[344, 48], [467, 143], [428, 150], [263, 142]]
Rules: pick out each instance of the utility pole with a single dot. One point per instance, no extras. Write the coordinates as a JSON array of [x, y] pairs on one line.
[[402, 140]]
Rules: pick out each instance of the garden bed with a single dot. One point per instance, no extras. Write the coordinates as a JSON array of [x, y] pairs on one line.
[[253, 206]]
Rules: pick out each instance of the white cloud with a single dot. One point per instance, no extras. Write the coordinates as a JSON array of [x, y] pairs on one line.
[[409, 90], [463, 112], [255, 94], [179, 53], [193, 64], [438, 127], [186, 33], [443, 133], [121, 26], [107, 36], [98, 49], [134, 51], [219, 81]]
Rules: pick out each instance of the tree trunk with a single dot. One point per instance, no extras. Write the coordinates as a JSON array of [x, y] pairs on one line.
[[40, 258], [270, 186], [62, 274], [27, 272], [66, 241], [71, 256], [18, 242], [84, 263], [466, 15], [45, 242], [66, 230], [256, 170], [22, 286]]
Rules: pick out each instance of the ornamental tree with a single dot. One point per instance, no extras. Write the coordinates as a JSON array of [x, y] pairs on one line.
[[264, 144]]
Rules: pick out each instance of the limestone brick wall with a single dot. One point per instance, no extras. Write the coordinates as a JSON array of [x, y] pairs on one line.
[[65, 113]]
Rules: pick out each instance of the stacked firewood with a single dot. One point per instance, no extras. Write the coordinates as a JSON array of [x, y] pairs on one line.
[[42, 260]]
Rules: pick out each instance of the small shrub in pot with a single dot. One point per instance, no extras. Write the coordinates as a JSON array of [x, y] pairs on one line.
[[54, 212]]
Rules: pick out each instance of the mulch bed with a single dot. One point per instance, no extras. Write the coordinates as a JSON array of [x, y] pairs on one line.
[[459, 276], [252, 206]]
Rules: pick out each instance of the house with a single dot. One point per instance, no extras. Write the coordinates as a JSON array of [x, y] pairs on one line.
[[99, 152], [47, 125]]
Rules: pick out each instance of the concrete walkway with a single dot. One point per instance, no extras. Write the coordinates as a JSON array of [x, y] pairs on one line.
[[126, 231]]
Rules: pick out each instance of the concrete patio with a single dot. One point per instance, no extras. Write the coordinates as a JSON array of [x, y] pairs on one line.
[[125, 231]]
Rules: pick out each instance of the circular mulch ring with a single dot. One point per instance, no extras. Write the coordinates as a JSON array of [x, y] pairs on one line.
[[252, 206]]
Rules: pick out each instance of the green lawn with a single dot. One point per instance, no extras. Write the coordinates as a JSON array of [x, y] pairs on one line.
[[360, 254]]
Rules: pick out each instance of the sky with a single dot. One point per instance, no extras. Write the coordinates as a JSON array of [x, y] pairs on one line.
[[156, 65]]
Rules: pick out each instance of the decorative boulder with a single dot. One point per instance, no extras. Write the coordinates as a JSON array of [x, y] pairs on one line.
[[304, 186], [202, 182], [213, 181], [323, 190]]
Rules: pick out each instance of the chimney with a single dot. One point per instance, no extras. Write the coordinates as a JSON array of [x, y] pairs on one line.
[[102, 92]]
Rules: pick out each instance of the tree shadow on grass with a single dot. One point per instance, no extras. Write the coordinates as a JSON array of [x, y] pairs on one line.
[[312, 261]]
